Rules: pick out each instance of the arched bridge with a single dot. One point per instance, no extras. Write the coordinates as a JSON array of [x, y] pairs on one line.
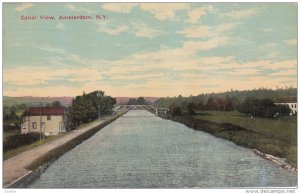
[[149, 108]]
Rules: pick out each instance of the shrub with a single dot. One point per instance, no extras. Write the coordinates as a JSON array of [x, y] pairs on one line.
[[18, 140], [174, 111]]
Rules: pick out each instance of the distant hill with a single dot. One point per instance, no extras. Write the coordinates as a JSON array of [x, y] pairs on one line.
[[35, 101], [64, 100]]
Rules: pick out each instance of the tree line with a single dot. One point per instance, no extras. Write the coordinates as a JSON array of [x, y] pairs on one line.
[[256, 103], [263, 108], [88, 107], [212, 104], [279, 94], [138, 101]]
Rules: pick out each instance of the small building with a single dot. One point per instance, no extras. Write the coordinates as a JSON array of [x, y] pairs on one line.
[[292, 105], [47, 120]]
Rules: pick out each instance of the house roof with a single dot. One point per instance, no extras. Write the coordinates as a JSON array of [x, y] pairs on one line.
[[36, 111], [286, 101]]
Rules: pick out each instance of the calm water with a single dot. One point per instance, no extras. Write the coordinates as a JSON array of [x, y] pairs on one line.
[[140, 150]]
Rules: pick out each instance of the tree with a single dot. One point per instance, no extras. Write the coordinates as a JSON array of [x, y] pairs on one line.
[[174, 110], [88, 107], [262, 108], [138, 101], [55, 104], [191, 108], [212, 104]]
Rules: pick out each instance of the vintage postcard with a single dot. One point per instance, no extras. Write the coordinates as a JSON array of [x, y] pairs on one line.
[[150, 95]]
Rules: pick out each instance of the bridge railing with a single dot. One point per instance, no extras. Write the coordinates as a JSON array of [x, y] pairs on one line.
[[149, 108]]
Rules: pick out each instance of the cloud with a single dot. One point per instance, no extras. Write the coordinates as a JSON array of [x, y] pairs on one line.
[[71, 7], [60, 26], [286, 64], [286, 72], [114, 30], [240, 14], [207, 31], [138, 76], [79, 9], [272, 55], [136, 28], [32, 76], [50, 49], [23, 7], [164, 11], [291, 41], [119, 7], [217, 60], [143, 30], [269, 45], [268, 30], [91, 63], [15, 44], [246, 71], [169, 72], [194, 46], [195, 14]]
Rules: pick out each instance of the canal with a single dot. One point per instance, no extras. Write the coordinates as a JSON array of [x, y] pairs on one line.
[[140, 150]]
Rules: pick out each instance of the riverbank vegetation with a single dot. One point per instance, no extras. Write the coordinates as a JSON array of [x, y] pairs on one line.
[[235, 96], [284, 128], [247, 118], [88, 107], [137, 101]]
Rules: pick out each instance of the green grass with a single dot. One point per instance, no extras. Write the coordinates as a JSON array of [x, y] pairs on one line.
[[281, 128], [11, 153]]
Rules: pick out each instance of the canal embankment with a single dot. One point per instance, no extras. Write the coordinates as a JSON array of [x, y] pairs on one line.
[[280, 151], [21, 169]]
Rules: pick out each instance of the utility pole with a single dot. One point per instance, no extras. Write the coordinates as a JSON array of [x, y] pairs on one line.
[[40, 121], [99, 113]]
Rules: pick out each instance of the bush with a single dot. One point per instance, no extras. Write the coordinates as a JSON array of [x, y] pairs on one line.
[[175, 111], [15, 141], [263, 108]]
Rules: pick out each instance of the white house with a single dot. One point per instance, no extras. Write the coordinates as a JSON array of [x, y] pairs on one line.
[[47, 120], [292, 105]]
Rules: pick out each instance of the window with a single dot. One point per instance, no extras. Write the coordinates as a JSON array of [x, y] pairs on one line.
[[49, 117], [34, 125], [292, 106], [43, 125], [295, 106]]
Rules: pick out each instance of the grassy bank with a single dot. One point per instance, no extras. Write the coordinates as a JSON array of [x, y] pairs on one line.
[[11, 153], [57, 152], [274, 136], [284, 128]]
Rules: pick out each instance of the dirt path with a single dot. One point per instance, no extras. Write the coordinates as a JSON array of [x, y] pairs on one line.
[[15, 167]]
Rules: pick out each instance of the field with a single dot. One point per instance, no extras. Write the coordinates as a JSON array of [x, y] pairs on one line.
[[284, 128]]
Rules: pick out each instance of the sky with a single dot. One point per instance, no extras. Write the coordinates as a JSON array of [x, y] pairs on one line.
[[148, 49]]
